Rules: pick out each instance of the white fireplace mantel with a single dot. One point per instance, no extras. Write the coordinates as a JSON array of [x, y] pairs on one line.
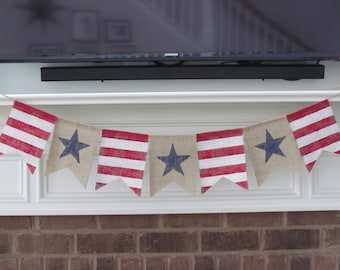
[[183, 111]]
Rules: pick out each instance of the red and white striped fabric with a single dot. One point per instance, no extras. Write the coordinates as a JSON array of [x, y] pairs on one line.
[[27, 131], [315, 130], [122, 155], [222, 154]]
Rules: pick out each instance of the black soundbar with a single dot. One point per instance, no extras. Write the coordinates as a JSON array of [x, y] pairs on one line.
[[83, 73]]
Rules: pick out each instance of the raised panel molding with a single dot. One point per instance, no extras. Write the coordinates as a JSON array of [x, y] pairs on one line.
[[14, 180], [325, 178], [177, 113]]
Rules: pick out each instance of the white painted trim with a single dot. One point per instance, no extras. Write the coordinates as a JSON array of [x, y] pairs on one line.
[[173, 97]]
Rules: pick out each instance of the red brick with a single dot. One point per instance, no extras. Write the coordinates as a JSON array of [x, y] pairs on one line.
[[229, 241], [8, 264], [254, 219], [31, 264], [300, 262], [253, 263], [128, 221], [81, 264], [156, 263], [168, 242], [5, 244], [313, 218], [107, 263], [203, 263], [131, 263], [277, 262], [231, 262], [67, 222], [291, 239], [56, 264], [192, 220], [324, 261], [181, 262], [106, 243], [15, 223], [332, 238], [45, 244]]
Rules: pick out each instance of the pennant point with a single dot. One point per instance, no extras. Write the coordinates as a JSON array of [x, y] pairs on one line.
[[243, 184], [310, 166], [205, 189], [31, 168], [137, 191], [99, 185]]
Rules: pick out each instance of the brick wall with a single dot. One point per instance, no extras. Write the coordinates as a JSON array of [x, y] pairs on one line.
[[253, 241]]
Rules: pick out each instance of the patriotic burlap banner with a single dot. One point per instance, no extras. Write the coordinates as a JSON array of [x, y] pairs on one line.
[[190, 161]]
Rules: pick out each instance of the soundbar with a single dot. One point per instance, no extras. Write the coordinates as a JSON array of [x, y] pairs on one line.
[[102, 73]]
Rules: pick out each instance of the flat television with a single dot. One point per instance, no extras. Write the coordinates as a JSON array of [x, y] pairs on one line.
[[169, 32]]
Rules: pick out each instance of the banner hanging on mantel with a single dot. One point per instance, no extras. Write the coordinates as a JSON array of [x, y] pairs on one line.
[[183, 159]]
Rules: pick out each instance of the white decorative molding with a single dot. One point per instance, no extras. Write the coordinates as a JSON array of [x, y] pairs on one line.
[[14, 180], [325, 177], [173, 97]]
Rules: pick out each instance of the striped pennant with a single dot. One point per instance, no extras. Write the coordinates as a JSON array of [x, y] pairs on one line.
[[27, 131], [222, 154], [122, 155], [315, 130]]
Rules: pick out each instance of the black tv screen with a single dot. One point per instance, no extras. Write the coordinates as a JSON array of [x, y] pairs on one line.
[[159, 30]]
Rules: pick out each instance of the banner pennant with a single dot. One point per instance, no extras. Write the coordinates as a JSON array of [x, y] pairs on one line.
[[74, 146], [315, 130], [221, 154], [122, 155], [173, 159], [271, 144], [27, 131]]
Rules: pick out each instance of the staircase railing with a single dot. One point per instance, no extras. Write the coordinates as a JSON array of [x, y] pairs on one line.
[[238, 25]]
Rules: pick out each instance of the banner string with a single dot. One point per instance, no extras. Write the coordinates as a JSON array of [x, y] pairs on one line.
[[7, 97], [334, 96]]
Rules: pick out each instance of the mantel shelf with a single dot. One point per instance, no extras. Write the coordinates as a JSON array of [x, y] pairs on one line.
[[200, 97]]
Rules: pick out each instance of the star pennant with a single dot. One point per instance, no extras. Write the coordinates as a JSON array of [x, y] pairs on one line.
[[26, 132], [173, 159], [315, 130], [74, 146], [122, 155], [221, 154], [271, 144]]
